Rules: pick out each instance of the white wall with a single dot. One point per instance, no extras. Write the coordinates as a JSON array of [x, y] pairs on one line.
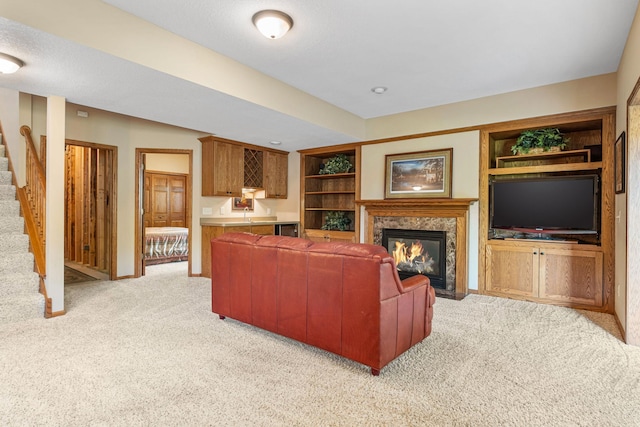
[[464, 180]]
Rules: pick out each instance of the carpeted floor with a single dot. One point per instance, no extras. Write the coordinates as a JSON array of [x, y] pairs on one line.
[[150, 352]]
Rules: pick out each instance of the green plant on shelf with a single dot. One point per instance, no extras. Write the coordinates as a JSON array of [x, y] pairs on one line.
[[336, 220], [539, 140], [338, 164]]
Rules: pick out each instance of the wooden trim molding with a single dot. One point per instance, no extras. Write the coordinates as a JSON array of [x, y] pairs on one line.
[[139, 187], [435, 208]]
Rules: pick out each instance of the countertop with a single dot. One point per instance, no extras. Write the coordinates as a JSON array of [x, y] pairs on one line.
[[234, 222]]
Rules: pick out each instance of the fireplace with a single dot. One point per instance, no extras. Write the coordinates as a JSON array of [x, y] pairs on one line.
[[418, 252]]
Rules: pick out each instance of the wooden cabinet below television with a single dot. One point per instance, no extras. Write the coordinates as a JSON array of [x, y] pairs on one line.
[[559, 273]]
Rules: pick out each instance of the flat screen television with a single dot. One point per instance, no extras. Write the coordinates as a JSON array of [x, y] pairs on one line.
[[550, 205]]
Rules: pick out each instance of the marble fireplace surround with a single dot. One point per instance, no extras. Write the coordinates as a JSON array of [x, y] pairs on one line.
[[450, 215]]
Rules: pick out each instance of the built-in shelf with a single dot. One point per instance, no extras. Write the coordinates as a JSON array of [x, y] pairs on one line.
[[329, 209], [585, 154], [323, 193], [328, 192], [567, 167], [331, 176], [578, 275]]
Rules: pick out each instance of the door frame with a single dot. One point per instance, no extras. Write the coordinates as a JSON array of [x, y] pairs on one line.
[[113, 201], [139, 183]]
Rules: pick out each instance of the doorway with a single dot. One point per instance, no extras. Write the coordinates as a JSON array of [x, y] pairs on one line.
[[90, 209], [163, 207]]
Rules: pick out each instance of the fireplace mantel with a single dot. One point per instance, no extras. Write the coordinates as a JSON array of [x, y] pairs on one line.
[[435, 208], [461, 205]]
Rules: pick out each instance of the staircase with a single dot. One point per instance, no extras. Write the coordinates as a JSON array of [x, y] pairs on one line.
[[20, 298]]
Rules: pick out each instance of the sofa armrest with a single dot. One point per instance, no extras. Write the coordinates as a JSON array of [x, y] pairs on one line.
[[413, 282], [388, 269]]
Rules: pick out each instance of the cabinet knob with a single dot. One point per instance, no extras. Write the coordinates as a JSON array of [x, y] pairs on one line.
[[535, 253], [541, 253]]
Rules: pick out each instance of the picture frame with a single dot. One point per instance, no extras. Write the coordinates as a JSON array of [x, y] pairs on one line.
[[240, 203], [419, 174], [619, 155]]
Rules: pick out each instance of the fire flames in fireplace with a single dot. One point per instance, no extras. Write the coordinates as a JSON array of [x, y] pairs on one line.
[[413, 258]]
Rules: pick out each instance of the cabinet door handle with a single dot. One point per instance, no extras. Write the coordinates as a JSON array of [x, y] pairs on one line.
[[535, 253], [541, 253]]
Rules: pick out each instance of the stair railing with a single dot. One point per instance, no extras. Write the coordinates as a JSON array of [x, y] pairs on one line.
[[33, 202]]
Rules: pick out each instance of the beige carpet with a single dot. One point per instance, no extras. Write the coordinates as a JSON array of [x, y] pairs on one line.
[[150, 352]]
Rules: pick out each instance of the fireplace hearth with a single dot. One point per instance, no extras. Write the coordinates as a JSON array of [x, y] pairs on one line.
[[418, 252]]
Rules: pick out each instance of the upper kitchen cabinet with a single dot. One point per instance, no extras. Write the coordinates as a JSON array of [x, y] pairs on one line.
[[229, 166]]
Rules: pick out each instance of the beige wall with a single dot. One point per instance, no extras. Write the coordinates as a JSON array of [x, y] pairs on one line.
[[593, 92], [628, 204], [10, 119], [575, 95], [464, 180], [175, 163], [127, 134]]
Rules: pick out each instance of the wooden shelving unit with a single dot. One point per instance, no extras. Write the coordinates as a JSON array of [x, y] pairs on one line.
[[323, 193], [585, 155], [574, 275]]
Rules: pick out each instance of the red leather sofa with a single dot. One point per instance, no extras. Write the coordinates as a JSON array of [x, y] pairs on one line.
[[345, 298]]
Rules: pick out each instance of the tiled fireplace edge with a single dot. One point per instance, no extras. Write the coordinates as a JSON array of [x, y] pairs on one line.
[[447, 225], [456, 209]]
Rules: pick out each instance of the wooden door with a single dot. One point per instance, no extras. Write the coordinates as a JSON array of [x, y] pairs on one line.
[[160, 200], [164, 199], [574, 276], [178, 201], [512, 270]]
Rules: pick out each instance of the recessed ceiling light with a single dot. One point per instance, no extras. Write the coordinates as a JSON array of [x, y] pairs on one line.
[[275, 142], [379, 90]]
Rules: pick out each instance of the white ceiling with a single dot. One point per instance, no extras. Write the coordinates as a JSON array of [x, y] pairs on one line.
[[427, 53]]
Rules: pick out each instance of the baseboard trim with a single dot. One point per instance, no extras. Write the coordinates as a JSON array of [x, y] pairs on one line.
[[622, 331]]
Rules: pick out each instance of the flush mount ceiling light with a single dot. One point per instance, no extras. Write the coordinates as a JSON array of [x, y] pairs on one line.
[[275, 142], [273, 24], [9, 64], [379, 90]]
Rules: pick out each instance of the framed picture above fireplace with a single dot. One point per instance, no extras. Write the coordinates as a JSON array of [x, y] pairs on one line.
[[418, 174]]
